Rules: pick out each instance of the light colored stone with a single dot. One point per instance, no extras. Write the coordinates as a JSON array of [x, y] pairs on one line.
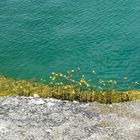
[[36, 96], [51, 119], [38, 101]]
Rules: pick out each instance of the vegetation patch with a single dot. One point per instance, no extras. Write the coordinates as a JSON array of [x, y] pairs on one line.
[[70, 86]]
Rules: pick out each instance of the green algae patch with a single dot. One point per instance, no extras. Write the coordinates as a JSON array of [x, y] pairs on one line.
[[66, 91]]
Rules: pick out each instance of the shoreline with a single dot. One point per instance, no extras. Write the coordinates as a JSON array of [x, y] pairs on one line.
[[10, 87]]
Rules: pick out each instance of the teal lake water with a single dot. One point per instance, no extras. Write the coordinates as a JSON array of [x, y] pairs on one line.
[[41, 36]]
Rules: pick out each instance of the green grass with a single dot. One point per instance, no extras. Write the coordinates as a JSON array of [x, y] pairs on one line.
[[65, 87]]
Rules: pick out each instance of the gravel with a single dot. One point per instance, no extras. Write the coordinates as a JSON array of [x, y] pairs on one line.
[[32, 118]]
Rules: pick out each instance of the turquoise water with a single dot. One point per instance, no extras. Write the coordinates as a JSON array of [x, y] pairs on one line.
[[41, 36]]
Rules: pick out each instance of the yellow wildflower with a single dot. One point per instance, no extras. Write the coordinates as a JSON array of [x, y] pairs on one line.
[[78, 68], [100, 88], [73, 92], [80, 84], [53, 78], [83, 81], [72, 70], [87, 85], [73, 80], [60, 74], [110, 81], [65, 87]]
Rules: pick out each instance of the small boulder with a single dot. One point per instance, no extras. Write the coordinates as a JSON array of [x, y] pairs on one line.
[[36, 96]]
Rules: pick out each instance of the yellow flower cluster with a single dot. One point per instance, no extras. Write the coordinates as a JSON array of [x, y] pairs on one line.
[[53, 78], [64, 86], [83, 82]]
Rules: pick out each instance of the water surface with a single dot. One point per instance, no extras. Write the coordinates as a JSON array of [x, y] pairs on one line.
[[37, 37]]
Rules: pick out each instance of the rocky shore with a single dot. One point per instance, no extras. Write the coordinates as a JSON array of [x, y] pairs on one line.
[[30, 118]]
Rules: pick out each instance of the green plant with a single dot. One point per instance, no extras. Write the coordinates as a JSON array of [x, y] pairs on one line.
[[70, 86]]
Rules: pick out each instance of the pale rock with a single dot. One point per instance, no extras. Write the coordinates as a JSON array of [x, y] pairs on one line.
[[36, 96]]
